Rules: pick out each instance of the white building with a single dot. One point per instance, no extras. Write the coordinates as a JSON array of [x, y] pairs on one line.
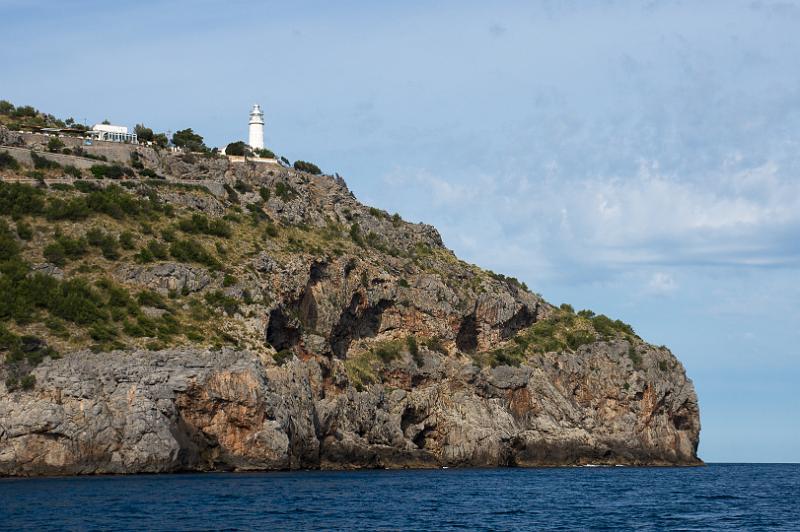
[[256, 140], [112, 133]]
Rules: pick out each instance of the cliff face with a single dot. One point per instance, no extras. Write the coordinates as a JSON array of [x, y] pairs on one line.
[[274, 323], [193, 409]]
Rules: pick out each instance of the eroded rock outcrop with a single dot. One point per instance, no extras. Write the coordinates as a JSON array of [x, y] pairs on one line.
[[277, 323], [175, 410]]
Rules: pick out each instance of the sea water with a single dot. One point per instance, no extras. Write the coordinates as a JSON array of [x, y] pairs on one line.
[[716, 497]]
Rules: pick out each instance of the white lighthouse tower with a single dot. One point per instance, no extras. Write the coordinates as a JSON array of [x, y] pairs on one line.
[[256, 128]]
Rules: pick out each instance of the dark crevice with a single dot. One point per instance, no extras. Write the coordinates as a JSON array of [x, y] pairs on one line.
[[467, 337], [318, 272], [282, 331], [523, 318], [357, 321]]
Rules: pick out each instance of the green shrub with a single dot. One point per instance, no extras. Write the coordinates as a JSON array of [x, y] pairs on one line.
[[503, 357], [190, 250], [112, 200], [168, 235], [73, 171], [146, 172], [143, 134], [233, 197], [434, 343], [54, 253], [388, 351], [107, 243], [104, 171], [635, 357], [271, 230], [24, 230], [9, 248], [608, 328], [265, 153], [355, 234], [242, 187], [575, 339], [218, 299], [126, 240], [264, 192], [55, 144], [143, 256], [158, 250], [229, 280], [8, 162], [8, 340], [64, 248], [285, 191], [103, 332], [85, 186], [27, 382], [17, 199], [43, 163], [149, 298], [188, 140], [238, 148], [282, 356], [304, 166], [118, 296], [200, 223], [73, 209]]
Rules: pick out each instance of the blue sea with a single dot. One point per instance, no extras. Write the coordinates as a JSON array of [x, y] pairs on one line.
[[716, 497]]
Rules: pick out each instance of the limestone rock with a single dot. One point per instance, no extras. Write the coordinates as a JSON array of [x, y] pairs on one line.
[[199, 410], [166, 277]]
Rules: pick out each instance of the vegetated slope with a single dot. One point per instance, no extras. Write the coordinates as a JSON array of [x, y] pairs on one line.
[[269, 321]]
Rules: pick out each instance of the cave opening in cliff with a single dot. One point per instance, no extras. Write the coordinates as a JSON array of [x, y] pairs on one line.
[[467, 337], [281, 331], [357, 321]]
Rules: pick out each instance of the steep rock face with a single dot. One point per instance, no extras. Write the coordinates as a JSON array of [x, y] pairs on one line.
[[127, 412], [354, 339], [9, 138]]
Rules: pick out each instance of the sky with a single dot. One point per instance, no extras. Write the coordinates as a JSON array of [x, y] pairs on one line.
[[641, 159]]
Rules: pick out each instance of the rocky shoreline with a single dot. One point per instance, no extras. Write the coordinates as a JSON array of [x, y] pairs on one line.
[[189, 410]]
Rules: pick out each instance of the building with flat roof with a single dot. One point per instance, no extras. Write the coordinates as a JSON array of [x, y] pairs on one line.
[[111, 133]]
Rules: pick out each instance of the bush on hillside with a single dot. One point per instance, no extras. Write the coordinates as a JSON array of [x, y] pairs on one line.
[[113, 171], [143, 134], [55, 145], [7, 162], [190, 250], [188, 140], [304, 166], [17, 199], [199, 223], [43, 163], [238, 148]]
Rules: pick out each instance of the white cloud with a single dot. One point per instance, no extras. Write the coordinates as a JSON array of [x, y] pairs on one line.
[[603, 224], [661, 284]]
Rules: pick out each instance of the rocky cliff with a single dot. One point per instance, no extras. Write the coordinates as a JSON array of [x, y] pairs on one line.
[[257, 317]]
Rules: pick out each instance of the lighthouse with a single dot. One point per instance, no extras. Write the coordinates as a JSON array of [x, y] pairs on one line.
[[256, 128]]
